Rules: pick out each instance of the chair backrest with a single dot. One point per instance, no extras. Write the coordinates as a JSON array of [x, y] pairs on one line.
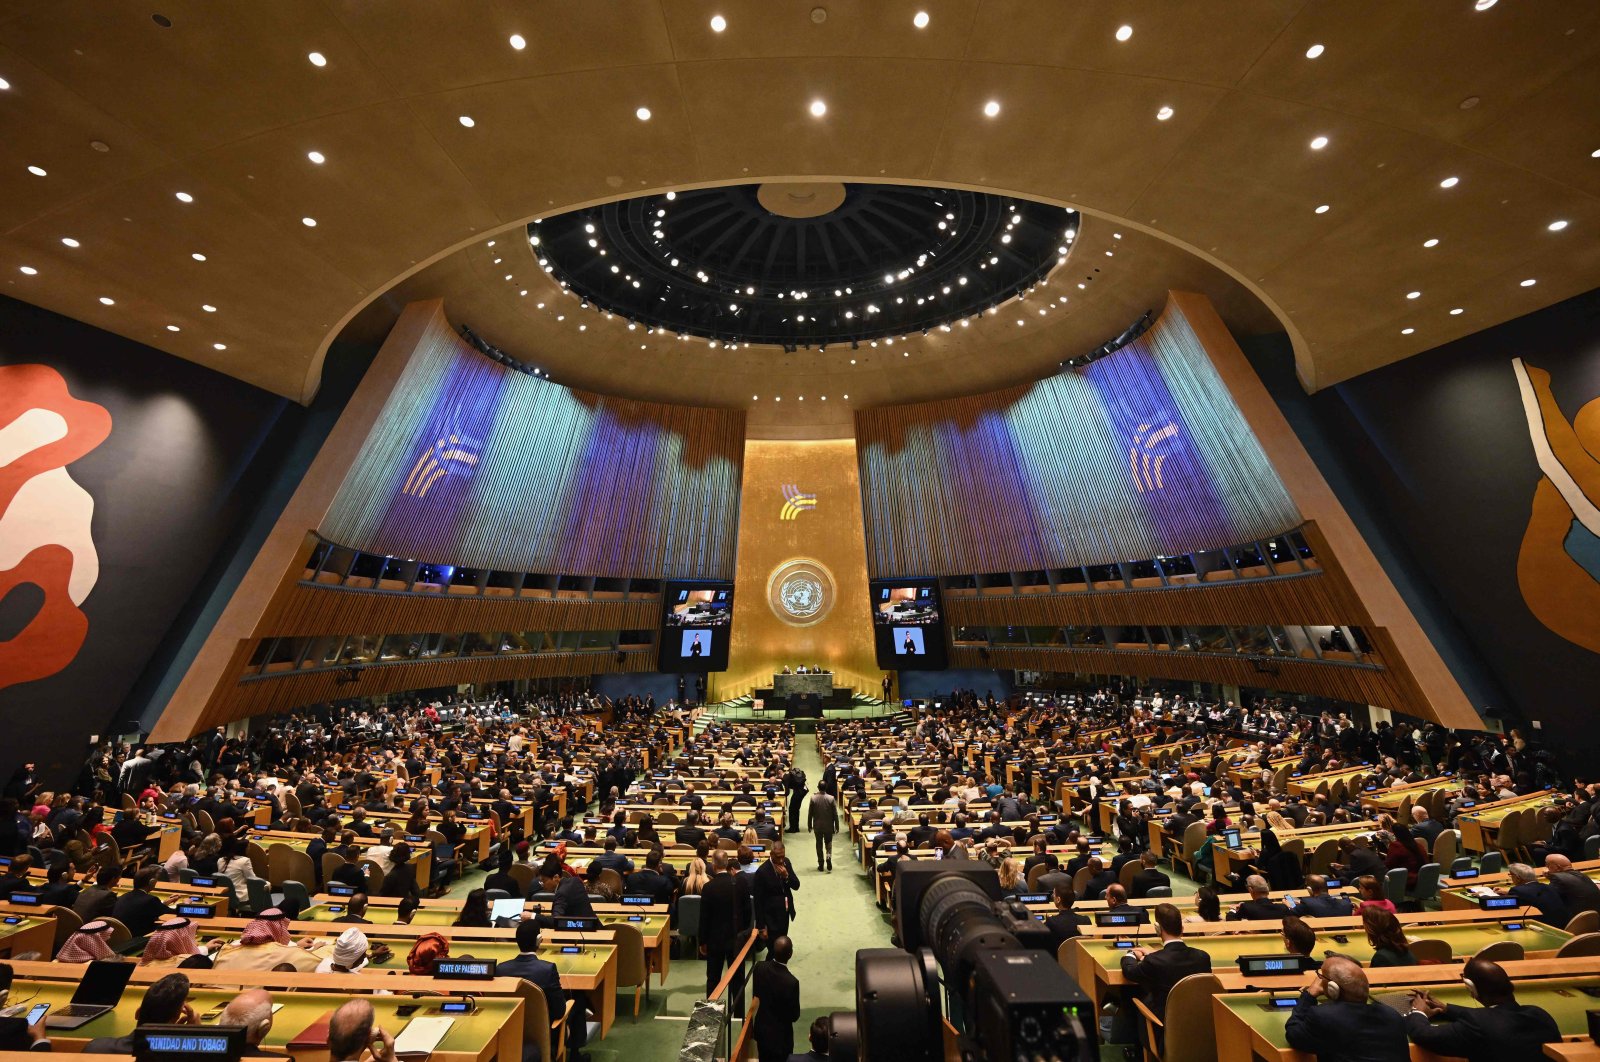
[[1125, 875], [1431, 949], [1584, 945], [1501, 951], [1394, 886], [298, 867], [522, 874], [611, 879], [1324, 855], [689, 917], [1190, 1020], [1583, 922], [260, 894], [1591, 847], [1427, 882], [667, 818], [1460, 863], [374, 874], [1039, 870], [536, 1039], [1492, 863], [293, 890], [185, 875], [1194, 835], [1080, 880], [1158, 891], [631, 970], [1445, 847], [291, 804], [120, 934], [1510, 836], [331, 861], [496, 894], [207, 823], [277, 864], [67, 923], [259, 860]]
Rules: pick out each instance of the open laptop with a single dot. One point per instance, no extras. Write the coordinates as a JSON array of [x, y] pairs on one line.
[[98, 992]]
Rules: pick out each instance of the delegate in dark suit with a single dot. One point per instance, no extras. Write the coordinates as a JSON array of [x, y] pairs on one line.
[[1347, 1032], [779, 993], [1144, 881], [723, 924], [774, 896], [1159, 970], [1486, 1034], [572, 899]]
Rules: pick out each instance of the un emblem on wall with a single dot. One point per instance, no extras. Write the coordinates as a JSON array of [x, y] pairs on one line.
[[800, 591]]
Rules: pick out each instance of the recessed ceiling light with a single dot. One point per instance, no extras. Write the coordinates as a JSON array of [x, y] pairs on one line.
[[1556, 226], [1163, 114], [38, 171], [208, 308], [1595, 154], [1407, 331], [818, 108], [318, 59], [1456, 311], [184, 197], [1413, 294], [518, 41], [4, 84], [1431, 243], [1483, 5], [107, 302], [70, 242], [1124, 32], [1323, 209], [316, 156], [1530, 282], [1318, 143], [466, 120], [173, 328], [1449, 182], [643, 114], [718, 23], [29, 271], [309, 223], [991, 108], [1314, 51], [198, 257], [220, 346], [920, 20]]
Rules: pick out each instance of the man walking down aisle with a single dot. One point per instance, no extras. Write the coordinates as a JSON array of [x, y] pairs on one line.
[[822, 817]]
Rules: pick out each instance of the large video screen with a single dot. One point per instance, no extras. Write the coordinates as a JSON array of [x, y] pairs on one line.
[[695, 626], [908, 625]]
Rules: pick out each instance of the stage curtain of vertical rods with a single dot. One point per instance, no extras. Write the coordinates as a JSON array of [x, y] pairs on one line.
[[1038, 476], [566, 481]]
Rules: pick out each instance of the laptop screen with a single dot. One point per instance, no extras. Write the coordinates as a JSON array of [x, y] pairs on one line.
[[507, 908], [103, 983]]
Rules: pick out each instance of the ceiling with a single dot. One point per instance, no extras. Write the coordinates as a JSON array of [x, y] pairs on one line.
[[1221, 195], [801, 265]]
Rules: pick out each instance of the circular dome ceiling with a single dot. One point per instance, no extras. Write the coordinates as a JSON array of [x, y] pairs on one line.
[[802, 265]]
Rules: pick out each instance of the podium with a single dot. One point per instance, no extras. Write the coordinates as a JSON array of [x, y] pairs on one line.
[[797, 685]]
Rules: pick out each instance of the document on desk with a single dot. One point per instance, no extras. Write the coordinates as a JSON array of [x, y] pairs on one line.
[[422, 1035]]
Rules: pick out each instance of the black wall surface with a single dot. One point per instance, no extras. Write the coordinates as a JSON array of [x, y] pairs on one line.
[[180, 477], [1432, 456]]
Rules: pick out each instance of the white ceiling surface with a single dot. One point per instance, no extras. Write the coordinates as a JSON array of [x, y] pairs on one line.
[[225, 106]]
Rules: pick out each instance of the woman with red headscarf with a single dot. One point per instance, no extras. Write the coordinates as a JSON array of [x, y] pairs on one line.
[[429, 949]]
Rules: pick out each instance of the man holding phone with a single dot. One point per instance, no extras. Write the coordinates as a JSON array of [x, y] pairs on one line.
[[21, 1027]]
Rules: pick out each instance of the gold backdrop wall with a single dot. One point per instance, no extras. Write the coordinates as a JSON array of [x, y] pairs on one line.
[[802, 553]]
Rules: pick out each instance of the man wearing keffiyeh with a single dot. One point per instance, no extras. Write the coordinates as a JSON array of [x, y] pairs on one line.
[[265, 943], [92, 941], [173, 941]]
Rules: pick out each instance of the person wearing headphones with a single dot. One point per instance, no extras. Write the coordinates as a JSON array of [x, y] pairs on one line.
[[1345, 1026], [1500, 1029]]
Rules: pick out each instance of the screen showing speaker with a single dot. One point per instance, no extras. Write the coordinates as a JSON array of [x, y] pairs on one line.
[[908, 624], [696, 622]]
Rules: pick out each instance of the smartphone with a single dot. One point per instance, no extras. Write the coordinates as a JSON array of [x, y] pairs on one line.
[[12, 920], [214, 1013], [407, 1009], [36, 1015]]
